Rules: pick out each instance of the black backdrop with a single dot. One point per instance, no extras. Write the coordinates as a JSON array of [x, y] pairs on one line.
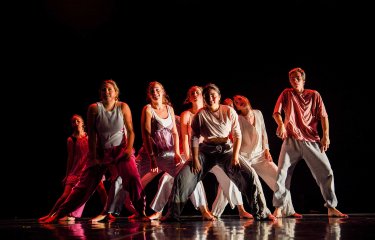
[[60, 51]]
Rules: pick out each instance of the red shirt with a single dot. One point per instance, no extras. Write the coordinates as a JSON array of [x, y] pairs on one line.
[[302, 113]]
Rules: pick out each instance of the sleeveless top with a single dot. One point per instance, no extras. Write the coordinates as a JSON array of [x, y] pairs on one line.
[[161, 131], [110, 126], [189, 130]]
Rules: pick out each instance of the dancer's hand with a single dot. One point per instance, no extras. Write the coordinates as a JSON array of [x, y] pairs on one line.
[[154, 165], [196, 167]]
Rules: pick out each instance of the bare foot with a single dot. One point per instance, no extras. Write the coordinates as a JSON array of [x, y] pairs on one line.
[[111, 217], [245, 214], [271, 217], [248, 223], [67, 219], [42, 219], [277, 213], [142, 218], [139, 217], [99, 218], [103, 217], [51, 219], [155, 216], [206, 215], [295, 215], [333, 212], [133, 216]]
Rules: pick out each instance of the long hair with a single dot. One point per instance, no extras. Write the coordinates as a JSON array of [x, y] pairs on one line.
[[151, 85]]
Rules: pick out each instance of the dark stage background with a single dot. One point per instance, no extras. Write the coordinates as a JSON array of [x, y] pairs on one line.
[[58, 52]]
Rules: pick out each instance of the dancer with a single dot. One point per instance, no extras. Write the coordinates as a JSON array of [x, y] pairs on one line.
[[111, 139], [255, 152], [303, 110], [234, 196], [214, 122], [77, 147]]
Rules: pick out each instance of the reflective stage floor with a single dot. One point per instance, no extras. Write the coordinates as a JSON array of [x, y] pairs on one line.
[[311, 226]]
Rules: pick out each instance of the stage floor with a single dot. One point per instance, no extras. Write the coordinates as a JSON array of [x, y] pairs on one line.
[[311, 226]]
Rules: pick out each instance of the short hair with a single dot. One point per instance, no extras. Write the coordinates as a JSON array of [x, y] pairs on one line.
[[300, 70], [207, 88]]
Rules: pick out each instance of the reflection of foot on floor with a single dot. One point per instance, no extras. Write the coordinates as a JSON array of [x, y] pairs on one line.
[[67, 219], [103, 217], [98, 225], [139, 217], [269, 217], [333, 212], [155, 223], [169, 219], [248, 223], [336, 221], [144, 219], [278, 223], [49, 226]]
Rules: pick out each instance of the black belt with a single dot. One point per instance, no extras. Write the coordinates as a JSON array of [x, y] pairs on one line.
[[219, 148]]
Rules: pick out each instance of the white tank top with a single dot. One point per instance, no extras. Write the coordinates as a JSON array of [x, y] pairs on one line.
[[110, 126]]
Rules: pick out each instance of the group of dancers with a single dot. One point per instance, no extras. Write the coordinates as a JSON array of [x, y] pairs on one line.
[[227, 139]]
